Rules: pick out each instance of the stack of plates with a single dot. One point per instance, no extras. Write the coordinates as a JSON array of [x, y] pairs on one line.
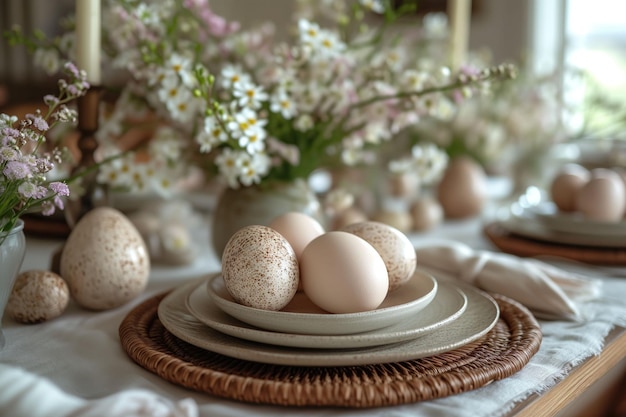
[[423, 318], [543, 221]]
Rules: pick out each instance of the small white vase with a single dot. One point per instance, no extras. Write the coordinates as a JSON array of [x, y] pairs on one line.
[[12, 251]]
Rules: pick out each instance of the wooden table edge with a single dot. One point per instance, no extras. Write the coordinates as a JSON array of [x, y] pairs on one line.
[[559, 396]]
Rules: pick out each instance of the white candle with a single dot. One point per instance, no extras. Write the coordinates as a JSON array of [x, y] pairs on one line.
[[459, 14], [88, 39]]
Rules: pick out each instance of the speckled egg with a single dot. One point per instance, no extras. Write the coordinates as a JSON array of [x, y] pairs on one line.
[[260, 268], [392, 245], [37, 296], [105, 261]]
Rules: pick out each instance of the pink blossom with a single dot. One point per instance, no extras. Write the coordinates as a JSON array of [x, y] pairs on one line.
[[47, 208], [38, 122], [15, 170], [60, 188], [215, 25]]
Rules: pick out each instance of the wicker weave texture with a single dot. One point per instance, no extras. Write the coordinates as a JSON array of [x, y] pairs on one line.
[[506, 349]]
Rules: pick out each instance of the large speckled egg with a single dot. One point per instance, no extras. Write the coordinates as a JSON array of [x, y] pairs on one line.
[[105, 261], [342, 273], [392, 245], [37, 296], [260, 268]]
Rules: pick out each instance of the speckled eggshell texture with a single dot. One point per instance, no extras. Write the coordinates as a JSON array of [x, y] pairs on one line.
[[37, 296], [105, 261], [393, 246], [260, 268]]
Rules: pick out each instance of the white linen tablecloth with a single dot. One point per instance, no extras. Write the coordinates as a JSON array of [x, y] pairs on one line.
[[75, 365]]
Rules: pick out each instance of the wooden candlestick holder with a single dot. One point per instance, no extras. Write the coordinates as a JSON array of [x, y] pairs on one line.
[[93, 195]]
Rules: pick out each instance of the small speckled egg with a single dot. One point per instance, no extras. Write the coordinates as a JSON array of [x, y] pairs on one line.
[[260, 268], [105, 261], [342, 273], [37, 296], [392, 245]]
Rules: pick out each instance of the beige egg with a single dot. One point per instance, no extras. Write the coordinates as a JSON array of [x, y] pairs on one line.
[[346, 217], [622, 173], [403, 185], [260, 268], [105, 261], [603, 197], [566, 185], [462, 190], [392, 245], [426, 213], [298, 228], [342, 273], [37, 296], [399, 219]]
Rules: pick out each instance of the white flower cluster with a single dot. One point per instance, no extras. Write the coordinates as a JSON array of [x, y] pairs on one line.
[[256, 110]]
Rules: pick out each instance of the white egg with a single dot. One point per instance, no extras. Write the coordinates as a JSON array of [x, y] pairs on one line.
[[603, 197], [566, 185], [342, 273], [392, 245], [37, 296], [105, 261], [260, 268], [298, 228]]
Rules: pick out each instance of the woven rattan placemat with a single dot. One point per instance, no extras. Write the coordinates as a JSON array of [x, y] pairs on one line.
[[519, 245], [503, 351]]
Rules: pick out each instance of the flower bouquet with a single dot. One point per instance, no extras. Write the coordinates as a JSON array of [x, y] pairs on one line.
[[26, 163], [252, 110]]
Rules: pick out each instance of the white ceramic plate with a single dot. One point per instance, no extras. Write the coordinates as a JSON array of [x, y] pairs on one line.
[[480, 316], [303, 317], [448, 305], [525, 223], [575, 223]]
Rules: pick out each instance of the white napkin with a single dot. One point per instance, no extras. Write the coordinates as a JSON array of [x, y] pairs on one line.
[[549, 292], [24, 394]]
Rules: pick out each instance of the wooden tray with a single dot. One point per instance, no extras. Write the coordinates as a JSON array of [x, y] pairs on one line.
[[519, 245]]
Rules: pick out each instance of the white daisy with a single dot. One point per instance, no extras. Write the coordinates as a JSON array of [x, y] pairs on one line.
[[248, 94], [181, 66], [376, 6], [232, 74], [253, 139], [282, 103]]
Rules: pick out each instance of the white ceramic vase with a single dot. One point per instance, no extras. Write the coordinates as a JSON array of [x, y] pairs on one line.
[[12, 251]]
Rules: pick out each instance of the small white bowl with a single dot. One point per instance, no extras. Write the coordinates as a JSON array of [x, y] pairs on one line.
[[301, 316]]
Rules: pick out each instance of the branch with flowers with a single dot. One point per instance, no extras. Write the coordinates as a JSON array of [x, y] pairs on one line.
[[255, 110], [25, 164]]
